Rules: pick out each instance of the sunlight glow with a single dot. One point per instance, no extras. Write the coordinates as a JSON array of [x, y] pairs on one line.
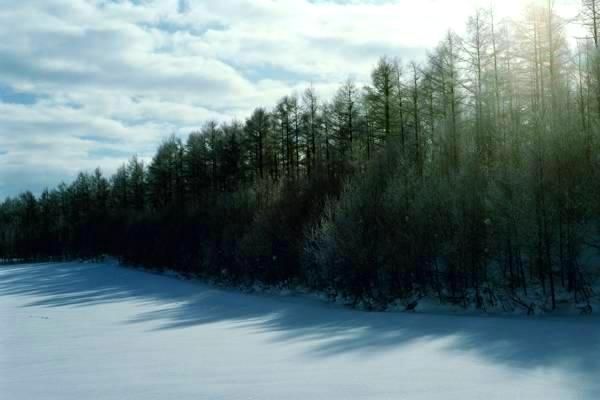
[[514, 8]]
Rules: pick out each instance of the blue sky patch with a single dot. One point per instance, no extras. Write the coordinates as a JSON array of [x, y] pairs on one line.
[[10, 96]]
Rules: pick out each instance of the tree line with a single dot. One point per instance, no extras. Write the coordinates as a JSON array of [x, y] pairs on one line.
[[470, 174]]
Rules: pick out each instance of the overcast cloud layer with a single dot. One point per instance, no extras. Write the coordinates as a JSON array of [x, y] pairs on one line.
[[86, 83]]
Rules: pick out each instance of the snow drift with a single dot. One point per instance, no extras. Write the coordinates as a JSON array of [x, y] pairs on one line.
[[77, 331]]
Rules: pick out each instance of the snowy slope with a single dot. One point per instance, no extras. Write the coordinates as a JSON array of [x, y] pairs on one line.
[[89, 331]]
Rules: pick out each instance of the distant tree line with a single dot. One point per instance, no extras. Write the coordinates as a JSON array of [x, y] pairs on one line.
[[471, 173]]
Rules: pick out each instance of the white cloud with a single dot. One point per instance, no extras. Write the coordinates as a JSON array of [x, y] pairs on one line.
[[111, 78]]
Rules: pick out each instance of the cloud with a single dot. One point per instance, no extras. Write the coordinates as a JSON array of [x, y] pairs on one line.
[[85, 83]]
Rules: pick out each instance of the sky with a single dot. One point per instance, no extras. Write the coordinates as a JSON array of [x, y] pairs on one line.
[[90, 83]]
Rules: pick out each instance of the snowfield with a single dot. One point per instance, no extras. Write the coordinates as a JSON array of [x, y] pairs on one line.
[[73, 331]]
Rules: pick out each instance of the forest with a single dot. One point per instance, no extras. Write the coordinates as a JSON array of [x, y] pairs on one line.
[[472, 172]]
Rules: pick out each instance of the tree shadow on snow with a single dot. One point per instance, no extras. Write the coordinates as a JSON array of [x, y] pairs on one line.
[[519, 342]]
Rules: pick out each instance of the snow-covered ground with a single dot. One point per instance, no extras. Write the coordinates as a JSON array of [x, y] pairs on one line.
[[98, 331]]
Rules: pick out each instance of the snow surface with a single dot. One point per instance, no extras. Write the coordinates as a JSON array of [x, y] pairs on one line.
[[73, 331]]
